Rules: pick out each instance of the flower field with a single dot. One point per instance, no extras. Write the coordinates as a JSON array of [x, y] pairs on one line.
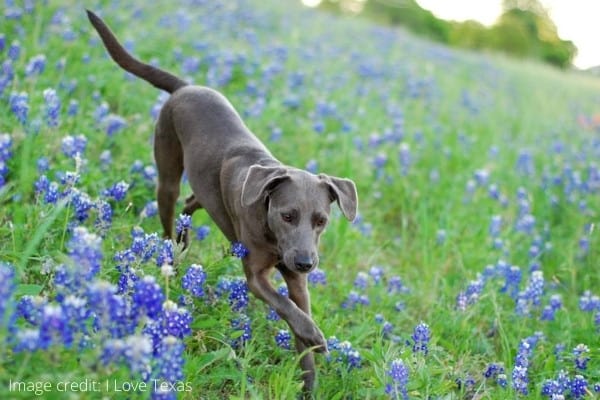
[[471, 272]]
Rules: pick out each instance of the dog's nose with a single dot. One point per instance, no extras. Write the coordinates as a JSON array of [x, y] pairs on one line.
[[303, 263]]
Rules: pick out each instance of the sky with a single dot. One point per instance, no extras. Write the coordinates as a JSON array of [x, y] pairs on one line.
[[576, 20]]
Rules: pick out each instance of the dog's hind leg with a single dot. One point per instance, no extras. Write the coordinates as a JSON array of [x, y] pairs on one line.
[[169, 163], [191, 205]]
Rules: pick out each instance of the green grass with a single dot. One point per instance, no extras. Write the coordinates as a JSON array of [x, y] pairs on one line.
[[457, 112]]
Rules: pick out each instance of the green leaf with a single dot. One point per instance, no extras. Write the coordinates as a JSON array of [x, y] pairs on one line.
[[39, 234], [28, 289]]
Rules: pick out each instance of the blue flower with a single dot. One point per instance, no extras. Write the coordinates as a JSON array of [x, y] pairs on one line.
[[344, 353], [283, 339], [194, 279], [387, 326], [495, 226], [502, 380], [5, 155], [441, 236], [77, 312], [361, 280], [241, 323], [101, 112], [52, 105], [7, 288], [73, 108], [177, 320], [355, 299], [85, 250], [105, 159], [396, 285], [27, 339], [113, 124], [556, 302], [493, 370], [111, 312], [520, 379], [525, 224], [202, 232], [42, 165], [150, 209], [118, 191], [239, 250], [36, 65], [105, 213], [317, 277], [551, 388], [190, 65], [70, 179], [14, 51], [6, 75], [81, 203], [19, 105], [421, 336], [30, 308], [581, 359], [148, 297], [184, 222], [589, 302], [165, 254], [238, 294], [399, 373], [54, 329], [531, 295], [73, 145], [578, 387], [312, 166], [170, 360], [275, 134], [512, 276], [376, 272], [404, 157], [135, 351]]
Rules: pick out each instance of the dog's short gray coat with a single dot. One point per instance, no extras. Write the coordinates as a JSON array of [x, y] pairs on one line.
[[277, 212]]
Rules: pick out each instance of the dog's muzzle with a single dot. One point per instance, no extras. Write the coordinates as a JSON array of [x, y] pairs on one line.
[[303, 263]]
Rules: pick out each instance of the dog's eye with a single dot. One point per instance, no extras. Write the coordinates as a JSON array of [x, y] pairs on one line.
[[320, 222], [287, 217]]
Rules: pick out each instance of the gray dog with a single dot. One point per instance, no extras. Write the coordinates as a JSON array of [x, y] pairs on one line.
[[276, 211]]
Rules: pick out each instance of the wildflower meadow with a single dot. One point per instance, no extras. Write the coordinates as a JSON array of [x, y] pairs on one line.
[[471, 272]]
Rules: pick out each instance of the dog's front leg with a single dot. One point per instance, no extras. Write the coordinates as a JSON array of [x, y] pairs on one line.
[[301, 324], [298, 291]]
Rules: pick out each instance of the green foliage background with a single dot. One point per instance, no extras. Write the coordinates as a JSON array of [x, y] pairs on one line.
[[524, 30]]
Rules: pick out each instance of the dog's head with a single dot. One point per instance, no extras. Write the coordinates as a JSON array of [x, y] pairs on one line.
[[298, 205]]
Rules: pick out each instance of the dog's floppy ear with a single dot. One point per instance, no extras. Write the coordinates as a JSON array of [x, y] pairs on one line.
[[344, 192], [259, 181]]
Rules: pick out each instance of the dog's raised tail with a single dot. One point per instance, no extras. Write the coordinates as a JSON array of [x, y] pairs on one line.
[[156, 76]]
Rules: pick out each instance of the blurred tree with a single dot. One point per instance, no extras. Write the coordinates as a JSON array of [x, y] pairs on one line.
[[524, 29], [541, 38], [533, 6], [408, 13], [469, 34]]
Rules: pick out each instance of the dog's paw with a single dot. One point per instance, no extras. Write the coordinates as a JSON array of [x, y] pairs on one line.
[[312, 337]]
